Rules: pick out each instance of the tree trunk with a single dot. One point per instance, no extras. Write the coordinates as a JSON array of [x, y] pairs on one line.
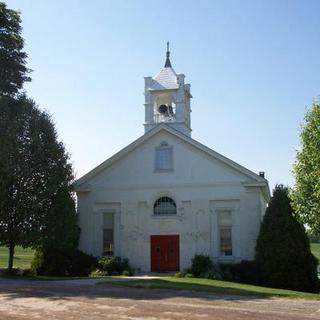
[[11, 254]]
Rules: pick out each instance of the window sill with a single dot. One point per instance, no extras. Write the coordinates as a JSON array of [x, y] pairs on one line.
[[226, 258], [165, 216], [162, 170]]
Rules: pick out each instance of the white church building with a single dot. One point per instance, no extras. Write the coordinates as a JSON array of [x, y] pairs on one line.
[[166, 197]]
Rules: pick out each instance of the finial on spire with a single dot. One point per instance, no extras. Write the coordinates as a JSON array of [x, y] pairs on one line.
[[168, 63]]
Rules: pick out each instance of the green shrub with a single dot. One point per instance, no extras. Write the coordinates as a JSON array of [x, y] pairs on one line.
[[188, 275], [203, 267], [214, 273], [28, 272], [115, 266], [180, 275], [313, 236], [283, 255], [226, 271], [59, 262], [200, 265], [11, 272], [80, 263], [183, 275], [98, 273], [245, 271]]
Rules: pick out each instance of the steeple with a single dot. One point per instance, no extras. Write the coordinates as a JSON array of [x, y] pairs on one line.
[[167, 99], [168, 63]]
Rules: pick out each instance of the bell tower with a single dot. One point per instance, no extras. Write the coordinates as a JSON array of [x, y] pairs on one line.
[[167, 99]]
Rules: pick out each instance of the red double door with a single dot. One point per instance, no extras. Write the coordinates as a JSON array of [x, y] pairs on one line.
[[165, 253]]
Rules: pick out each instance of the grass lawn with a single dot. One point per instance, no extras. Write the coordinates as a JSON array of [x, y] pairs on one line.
[[315, 248], [212, 286], [22, 257]]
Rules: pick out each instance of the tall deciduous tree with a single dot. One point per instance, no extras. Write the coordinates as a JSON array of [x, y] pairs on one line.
[[283, 254], [36, 205], [13, 70], [306, 193]]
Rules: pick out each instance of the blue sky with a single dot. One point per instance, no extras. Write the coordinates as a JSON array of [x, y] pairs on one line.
[[253, 68]]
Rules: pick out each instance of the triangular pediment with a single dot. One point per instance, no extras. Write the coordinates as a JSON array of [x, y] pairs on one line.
[[203, 156]]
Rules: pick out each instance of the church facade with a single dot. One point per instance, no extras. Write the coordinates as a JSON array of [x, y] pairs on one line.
[[166, 197]]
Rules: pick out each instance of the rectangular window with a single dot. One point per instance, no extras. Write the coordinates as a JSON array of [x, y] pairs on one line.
[[225, 232], [164, 158], [108, 227]]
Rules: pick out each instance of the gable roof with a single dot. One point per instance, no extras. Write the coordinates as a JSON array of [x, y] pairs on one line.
[[257, 180]]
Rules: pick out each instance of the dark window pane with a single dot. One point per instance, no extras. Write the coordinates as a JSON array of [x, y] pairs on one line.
[[164, 206], [226, 241], [108, 242]]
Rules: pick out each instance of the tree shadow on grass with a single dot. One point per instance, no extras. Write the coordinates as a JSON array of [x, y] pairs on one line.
[[127, 289], [204, 288], [217, 289]]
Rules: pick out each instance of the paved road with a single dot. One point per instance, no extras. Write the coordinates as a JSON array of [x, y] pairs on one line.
[[84, 299]]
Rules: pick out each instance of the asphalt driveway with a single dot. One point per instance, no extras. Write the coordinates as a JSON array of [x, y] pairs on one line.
[[85, 299]]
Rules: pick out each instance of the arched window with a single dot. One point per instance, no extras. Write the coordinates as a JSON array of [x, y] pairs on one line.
[[164, 206]]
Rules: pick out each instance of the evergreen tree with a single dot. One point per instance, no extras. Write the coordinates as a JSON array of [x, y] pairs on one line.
[[283, 255], [36, 204], [306, 194], [13, 70], [60, 230]]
